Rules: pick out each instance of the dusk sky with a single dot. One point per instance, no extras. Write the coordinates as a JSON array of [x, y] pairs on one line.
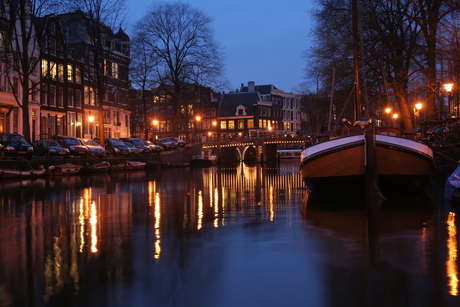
[[263, 41]]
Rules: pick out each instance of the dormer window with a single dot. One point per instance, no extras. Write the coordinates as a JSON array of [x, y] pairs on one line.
[[240, 110]]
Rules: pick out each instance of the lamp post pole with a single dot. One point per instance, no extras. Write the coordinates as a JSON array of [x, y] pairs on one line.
[[198, 119], [449, 87], [395, 118], [214, 124], [388, 111], [91, 120], [418, 107], [155, 124]]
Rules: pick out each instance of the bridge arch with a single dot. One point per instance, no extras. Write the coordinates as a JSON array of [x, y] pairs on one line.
[[260, 149], [246, 152]]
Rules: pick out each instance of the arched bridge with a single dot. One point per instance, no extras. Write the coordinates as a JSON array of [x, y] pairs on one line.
[[258, 149]]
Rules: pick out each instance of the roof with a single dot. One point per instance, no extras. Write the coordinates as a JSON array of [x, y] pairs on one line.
[[231, 101], [263, 89], [122, 36]]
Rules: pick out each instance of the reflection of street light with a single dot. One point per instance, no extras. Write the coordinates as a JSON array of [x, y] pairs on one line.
[[155, 124], [91, 120]]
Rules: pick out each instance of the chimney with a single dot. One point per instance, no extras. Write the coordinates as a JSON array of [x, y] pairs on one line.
[[251, 86]]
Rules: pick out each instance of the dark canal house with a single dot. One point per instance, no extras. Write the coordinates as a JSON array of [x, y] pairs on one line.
[[69, 105]]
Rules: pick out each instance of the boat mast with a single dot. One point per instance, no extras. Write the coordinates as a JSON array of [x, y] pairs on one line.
[[332, 99], [357, 105]]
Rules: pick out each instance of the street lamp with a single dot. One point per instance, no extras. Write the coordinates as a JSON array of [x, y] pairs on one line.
[[449, 87], [214, 125], [395, 117], [198, 119], [418, 107], [155, 124], [388, 111], [91, 120]]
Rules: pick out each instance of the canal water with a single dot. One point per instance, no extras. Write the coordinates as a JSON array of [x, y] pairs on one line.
[[246, 235]]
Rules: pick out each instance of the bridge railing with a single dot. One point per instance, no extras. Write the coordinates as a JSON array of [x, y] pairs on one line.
[[254, 141]]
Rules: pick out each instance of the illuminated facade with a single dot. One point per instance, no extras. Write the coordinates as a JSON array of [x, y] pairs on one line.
[[61, 99], [94, 71], [60, 69], [195, 102], [259, 110]]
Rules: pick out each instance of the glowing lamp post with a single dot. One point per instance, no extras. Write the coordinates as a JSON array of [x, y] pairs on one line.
[[214, 125], [198, 119], [388, 111], [395, 118], [91, 120], [418, 107], [155, 125], [449, 87]]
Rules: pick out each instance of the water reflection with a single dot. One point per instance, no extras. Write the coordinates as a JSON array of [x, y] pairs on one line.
[[237, 236], [452, 257]]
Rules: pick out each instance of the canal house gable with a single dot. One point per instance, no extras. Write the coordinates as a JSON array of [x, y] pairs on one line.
[[243, 114]]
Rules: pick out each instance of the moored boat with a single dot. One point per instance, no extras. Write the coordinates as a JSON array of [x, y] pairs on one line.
[[341, 163], [96, 168], [63, 169], [17, 174], [133, 165]]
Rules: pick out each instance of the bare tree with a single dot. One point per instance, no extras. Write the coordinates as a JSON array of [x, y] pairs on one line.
[[180, 40], [142, 69], [429, 16], [401, 48], [20, 52], [332, 46]]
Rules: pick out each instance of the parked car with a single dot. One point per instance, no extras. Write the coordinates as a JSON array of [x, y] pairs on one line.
[[50, 148], [76, 146], [116, 147], [153, 147], [138, 144], [177, 141], [94, 148], [165, 143], [133, 149], [13, 144]]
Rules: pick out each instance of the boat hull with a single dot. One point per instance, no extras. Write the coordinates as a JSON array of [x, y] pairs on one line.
[[63, 169], [133, 165], [341, 163], [14, 174], [96, 168]]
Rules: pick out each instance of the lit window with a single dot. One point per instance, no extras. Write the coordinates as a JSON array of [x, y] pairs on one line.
[[53, 70], [44, 68], [223, 124], [69, 72], [115, 70], [61, 72]]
